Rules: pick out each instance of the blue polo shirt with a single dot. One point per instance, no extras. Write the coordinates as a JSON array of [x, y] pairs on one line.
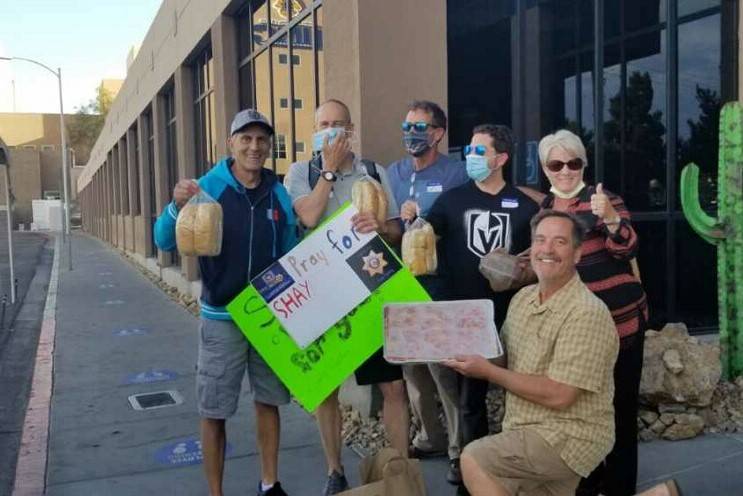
[[426, 185]]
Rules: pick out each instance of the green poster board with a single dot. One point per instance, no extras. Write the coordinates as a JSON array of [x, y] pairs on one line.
[[313, 372]]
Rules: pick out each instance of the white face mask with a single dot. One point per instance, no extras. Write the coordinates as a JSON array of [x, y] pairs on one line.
[[569, 194]]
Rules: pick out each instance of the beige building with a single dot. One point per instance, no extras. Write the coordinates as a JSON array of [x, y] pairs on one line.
[[33, 141], [639, 80]]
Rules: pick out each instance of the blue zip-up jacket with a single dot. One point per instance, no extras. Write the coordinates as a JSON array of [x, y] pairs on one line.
[[254, 235]]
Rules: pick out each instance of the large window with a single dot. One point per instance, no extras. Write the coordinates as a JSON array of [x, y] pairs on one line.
[[651, 105], [171, 150], [271, 34], [204, 112], [150, 166], [137, 204]]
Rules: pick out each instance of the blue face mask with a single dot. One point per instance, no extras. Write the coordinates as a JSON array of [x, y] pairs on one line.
[[318, 139], [477, 167]]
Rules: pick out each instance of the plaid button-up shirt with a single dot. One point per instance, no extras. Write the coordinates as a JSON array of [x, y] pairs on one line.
[[571, 338]]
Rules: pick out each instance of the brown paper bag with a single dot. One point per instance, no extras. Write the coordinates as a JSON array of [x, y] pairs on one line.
[[389, 474]]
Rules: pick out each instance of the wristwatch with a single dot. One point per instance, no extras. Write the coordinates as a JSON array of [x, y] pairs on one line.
[[329, 176]]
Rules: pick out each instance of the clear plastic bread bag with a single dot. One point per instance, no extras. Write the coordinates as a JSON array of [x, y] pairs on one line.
[[368, 196], [198, 230], [419, 248], [506, 272]]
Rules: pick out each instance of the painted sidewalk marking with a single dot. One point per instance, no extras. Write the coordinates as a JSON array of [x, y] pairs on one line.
[[184, 452]]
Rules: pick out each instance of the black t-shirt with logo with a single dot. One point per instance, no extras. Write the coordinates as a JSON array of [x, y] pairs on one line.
[[472, 223]]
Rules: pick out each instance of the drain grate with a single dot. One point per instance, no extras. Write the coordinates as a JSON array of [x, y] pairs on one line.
[[158, 399]]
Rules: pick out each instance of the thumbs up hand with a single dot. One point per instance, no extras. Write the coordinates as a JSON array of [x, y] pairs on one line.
[[601, 206]]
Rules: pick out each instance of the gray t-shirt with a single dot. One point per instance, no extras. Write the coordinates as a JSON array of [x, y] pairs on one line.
[[297, 183]]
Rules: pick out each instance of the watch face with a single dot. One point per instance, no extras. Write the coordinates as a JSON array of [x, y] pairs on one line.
[[328, 176]]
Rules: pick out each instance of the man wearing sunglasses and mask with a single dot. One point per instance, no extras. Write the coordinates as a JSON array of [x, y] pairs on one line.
[[417, 180], [482, 215], [318, 188]]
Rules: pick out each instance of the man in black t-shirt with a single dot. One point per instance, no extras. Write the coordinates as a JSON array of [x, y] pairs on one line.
[[472, 220]]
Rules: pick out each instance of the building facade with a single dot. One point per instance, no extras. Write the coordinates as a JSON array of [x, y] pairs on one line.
[[641, 81], [33, 142]]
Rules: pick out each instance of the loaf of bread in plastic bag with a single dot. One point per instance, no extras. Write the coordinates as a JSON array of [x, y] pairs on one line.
[[208, 230], [419, 248], [198, 229], [368, 196]]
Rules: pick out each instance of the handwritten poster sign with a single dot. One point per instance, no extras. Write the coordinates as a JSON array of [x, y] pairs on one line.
[[321, 269], [347, 300]]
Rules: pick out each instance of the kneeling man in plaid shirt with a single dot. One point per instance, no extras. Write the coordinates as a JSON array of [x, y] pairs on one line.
[[561, 345]]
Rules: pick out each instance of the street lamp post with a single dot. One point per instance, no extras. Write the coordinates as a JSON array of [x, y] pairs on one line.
[[65, 172]]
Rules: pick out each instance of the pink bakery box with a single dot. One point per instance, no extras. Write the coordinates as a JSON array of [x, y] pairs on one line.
[[436, 331]]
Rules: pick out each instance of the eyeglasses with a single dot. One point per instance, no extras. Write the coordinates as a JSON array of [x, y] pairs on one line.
[[419, 126], [557, 165], [475, 150]]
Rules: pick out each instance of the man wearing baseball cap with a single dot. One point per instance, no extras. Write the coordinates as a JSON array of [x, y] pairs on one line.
[[258, 228]]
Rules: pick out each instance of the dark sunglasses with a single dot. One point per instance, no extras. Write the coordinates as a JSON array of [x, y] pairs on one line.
[[557, 165], [475, 150], [419, 126]]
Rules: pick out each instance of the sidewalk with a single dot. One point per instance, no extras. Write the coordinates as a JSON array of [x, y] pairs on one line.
[[118, 335]]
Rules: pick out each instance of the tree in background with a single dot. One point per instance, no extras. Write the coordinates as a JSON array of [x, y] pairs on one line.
[[84, 127]]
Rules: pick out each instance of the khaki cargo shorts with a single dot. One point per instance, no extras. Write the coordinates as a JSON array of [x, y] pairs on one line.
[[524, 463], [224, 356]]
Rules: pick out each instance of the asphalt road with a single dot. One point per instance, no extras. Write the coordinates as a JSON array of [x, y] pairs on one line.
[[19, 337]]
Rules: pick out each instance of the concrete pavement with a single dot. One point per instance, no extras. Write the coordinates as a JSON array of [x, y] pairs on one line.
[[118, 335]]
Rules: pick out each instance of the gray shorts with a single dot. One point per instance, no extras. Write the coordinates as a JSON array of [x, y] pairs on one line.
[[224, 354]]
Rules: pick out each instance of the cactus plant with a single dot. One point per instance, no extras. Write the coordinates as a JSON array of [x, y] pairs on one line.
[[725, 231]]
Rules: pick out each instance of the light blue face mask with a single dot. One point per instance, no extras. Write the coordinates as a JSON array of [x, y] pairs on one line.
[[477, 167], [318, 139]]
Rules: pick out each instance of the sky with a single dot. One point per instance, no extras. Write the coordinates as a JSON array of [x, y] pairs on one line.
[[88, 39]]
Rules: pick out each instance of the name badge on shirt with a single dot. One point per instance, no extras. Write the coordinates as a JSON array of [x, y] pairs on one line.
[[509, 203], [434, 187]]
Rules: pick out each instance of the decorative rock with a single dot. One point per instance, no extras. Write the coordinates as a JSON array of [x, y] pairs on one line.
[[672, 361], [686, 427], [671, 408], [647, 435], [648, 416], [667, 418], [694, 384], [658, 427]]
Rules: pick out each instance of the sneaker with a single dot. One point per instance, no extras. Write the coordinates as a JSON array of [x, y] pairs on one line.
[[274, 491], [335, 484], [454, 474]]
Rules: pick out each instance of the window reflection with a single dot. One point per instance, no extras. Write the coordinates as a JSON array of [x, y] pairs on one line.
[[259, 22], [645, 129], [303, 85], [319, 56], [282, 115], [699, 103], [641, 14], [652, 236], [686, 7], [696, 290]]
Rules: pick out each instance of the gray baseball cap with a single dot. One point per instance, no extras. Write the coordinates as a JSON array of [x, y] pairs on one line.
[[249, 116]]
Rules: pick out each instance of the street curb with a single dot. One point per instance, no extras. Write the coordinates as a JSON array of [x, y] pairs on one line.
[[30, 476]]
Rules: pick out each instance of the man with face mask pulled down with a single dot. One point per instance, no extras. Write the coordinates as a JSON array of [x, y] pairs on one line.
[[484, 214], [416, 181]]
